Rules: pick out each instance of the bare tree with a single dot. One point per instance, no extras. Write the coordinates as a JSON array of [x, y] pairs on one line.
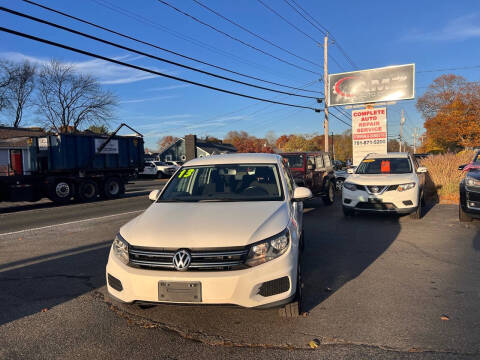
[[5, 79], [20, 88], [69, 100]]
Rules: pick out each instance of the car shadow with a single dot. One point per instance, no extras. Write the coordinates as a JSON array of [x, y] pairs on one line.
[[339, 249], [37, 284]]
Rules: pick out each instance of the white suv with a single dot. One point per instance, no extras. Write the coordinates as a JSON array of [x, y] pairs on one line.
[[390, 182], [226, 229]]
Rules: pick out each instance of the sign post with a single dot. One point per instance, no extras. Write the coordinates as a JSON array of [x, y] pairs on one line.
[[369, 132]]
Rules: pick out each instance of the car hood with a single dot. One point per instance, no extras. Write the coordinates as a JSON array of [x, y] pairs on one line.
[[206, 225], [381, 179], [474, 174]]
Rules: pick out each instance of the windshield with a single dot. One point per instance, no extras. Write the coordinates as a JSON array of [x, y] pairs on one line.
[[385, 166], [294, 160], [476, 159], [159, 163], [246, 182]]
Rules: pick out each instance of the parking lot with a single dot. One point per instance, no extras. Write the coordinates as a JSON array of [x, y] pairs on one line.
[[375, 287]]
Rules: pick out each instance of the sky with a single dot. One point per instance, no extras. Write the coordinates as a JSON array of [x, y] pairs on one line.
[[434, 35]]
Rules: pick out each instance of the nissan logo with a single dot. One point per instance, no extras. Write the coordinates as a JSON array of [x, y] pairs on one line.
[[182, 260], [375, 189]]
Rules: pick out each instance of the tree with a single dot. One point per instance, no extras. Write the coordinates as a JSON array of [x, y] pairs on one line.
[[98, 129], [246, 143], [68, 100], [451, 108], [20, 88], [5, 79], [166, 141]]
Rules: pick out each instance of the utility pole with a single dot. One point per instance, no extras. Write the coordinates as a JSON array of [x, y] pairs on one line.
[[325, 81], [333, 147], [402, 121]]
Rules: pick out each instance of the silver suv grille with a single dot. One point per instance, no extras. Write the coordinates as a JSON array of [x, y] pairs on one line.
[[213, 260]]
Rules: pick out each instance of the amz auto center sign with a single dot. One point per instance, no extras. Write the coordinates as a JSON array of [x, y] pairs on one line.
[[369, 132]]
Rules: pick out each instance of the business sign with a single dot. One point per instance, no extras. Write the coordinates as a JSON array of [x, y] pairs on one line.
[[43, 143], [370, 86], [369, 132], [111, 148]]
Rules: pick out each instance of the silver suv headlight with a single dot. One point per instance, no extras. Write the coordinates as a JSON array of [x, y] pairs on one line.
[[349, 186], [268, 249], [405, 187], [120, 248]]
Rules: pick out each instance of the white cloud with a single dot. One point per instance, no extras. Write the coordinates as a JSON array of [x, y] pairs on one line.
[[104, 71], [171, 87], [461, 28]]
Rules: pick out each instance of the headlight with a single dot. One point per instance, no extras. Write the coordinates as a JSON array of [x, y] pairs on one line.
[[268, 249], [349, 186], [405, 187], [120, 248], [472, 182]]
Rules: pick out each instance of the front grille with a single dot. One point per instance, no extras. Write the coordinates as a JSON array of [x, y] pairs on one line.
[[473, 196], [375, 206], [202, 260], [375, 189], [274, 287]]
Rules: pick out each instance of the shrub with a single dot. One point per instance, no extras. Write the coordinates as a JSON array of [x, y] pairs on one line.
[[443, 175]]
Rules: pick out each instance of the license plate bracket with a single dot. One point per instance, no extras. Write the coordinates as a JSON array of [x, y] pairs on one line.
[[374, 200], [180, 291]]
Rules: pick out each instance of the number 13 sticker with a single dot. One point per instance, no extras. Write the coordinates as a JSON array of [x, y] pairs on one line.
[[186, 173]]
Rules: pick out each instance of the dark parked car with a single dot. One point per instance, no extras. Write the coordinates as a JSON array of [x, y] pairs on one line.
[[313, 170], [470, 191]]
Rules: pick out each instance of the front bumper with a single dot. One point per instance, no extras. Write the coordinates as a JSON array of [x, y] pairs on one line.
[[238, 287], [393, 201], [470, 200]]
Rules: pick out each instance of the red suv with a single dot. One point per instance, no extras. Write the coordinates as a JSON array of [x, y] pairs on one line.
[[313, 170]]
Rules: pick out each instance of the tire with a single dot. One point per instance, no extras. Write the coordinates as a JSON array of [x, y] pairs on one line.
[[417, 214], [87, 190], [294, 309], [462, 215], [61, 191], [329, 198], [113, 188], [339, 184], [347, 212]]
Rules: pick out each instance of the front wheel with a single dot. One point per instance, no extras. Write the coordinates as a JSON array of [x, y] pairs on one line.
[[113, 188], [339, 184], [417, 214], [294, 308], [329, 197], [87, 190]]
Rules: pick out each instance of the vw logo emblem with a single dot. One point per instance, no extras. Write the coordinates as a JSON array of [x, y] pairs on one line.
[[182, 260]]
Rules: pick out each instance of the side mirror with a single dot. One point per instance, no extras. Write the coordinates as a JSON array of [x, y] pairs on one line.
[[153, 196], [311, 166], [302, 193], [461, 167], [350, 171], [422, 170]]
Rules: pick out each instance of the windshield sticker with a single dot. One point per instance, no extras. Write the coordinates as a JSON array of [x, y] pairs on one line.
[[186, 173], [368, 160], [385, 166]]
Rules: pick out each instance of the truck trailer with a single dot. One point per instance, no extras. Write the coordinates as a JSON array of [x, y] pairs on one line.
[[63, 167]]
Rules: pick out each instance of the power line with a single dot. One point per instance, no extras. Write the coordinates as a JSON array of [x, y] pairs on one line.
[[147, 54], [324, 31], [335, 116], [236, 39], [66, 47], [254, 34], [298, 29], [201, 44], [160, 48]]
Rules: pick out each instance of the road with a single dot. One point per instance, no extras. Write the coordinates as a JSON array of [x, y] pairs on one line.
[[375, 286]]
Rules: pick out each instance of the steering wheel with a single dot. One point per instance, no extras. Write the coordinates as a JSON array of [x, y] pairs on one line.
[[256, 189]]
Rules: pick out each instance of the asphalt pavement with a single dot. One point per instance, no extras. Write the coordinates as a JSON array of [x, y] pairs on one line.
[[375, 287]]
